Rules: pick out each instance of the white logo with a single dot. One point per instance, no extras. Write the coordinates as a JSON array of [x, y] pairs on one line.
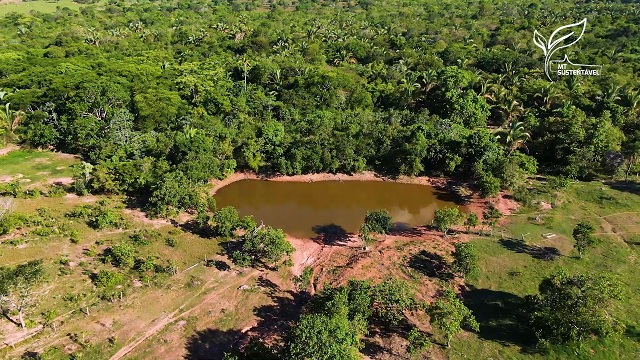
[[564, 37]]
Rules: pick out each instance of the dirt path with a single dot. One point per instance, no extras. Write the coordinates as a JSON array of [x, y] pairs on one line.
[[8, 149], [175, 315]]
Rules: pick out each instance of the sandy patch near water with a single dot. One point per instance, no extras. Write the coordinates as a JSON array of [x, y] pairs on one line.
[[363, 176]]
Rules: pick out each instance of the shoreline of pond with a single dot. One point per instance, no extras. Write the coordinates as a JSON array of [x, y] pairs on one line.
[[436, 182]]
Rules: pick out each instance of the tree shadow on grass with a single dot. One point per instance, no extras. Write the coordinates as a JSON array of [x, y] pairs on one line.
[[536, 252], [211, 344], [274, 320], [632, 187], [633, 332], [330, 234], [501, 316], [431, 264]]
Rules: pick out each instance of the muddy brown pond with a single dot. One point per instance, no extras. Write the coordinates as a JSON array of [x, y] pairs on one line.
[[305, 210]]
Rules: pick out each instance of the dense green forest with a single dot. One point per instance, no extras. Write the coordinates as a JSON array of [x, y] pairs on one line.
[[159, 94]]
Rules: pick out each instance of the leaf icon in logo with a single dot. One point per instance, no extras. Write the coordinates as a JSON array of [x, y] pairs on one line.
[[563, 37], [567, 39], [540, 41]]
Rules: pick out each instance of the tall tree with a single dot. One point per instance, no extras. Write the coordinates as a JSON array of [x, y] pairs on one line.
[[465, 259], [515, 136], [16, 288], [583, 234], [570, 308], [449, 315], [444, 219]]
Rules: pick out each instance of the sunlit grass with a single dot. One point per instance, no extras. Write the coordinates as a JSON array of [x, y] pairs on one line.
[[507, 274]]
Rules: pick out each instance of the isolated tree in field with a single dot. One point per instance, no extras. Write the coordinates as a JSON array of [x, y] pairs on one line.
[[490, 217], [583, 234], [365, 235], [82, 177], [16, 288], [378, 221], [465, 259], [444, 219], [571, 308], [449, 315], [262, 246], [471, 221]]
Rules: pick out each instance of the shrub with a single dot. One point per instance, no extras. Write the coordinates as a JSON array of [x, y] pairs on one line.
[[172, 242], [56, 191], [105, 218], [122, 255], [139, 239], [303, 280], [108, 279]]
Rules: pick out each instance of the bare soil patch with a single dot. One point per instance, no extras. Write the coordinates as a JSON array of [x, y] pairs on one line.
[[10, 148], [61, 180], [9, 178], [142, 217]]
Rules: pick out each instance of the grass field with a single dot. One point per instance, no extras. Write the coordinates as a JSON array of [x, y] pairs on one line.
[[31, 166], [512, 268], [24, 7]]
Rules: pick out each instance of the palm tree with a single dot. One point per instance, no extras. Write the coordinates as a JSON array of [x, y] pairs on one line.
[[548, 94], [611, 94], [633, 99], [11, 118], [514, 137]]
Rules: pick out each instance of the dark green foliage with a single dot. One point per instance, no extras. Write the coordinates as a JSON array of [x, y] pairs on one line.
[[325, 337], [23, 275], [56, 191], [172, 242], [465, 260], [173, 193], [225, 220], [16, 289], [155, 112], [378, 221], [571, 308], [583, 234]]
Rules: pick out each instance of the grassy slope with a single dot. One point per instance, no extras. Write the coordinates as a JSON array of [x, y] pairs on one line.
[[511, 270], [36, 166], [39, 5]]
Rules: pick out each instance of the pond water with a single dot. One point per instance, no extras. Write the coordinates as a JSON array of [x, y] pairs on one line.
[[306, 210]]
